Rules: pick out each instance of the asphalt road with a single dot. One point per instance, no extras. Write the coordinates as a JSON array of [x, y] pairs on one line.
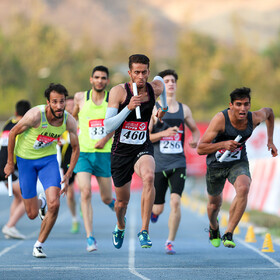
[[195, 257]]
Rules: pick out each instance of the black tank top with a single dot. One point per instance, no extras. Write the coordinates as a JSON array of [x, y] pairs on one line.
[[230, 133], [169, 151], [132, 136]]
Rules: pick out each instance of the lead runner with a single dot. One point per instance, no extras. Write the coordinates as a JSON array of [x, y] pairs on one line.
[[132, 150]]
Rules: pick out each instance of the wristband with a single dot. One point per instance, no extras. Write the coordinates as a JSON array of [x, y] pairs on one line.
[[164, 109]]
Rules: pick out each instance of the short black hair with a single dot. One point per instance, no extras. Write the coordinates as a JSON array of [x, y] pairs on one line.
[[240, 93], [138, 58], [168, 72], [100, 68], [57, 88], [22, 107]]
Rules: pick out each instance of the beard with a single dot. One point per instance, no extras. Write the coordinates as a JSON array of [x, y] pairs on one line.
[[57, 117], [98, 89]]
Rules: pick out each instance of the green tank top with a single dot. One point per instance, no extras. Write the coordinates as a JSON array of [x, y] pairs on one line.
[[39, 142], [91, 125]]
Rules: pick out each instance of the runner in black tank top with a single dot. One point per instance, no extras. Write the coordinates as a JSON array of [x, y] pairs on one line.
[[219, 137]]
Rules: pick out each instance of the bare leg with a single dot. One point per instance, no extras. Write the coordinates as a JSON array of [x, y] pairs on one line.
[[145, 167], [158, 209], [53, 202], [175, 216], [105, 188], [213, 208], [84, 182], [71, 200], [122, 199], [238, 205]]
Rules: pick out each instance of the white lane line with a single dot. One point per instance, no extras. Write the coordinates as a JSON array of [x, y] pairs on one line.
[[33, 234], [277, 264], [132, 234]]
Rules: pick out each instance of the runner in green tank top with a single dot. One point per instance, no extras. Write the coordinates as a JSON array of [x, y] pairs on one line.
[[38, 132], [90, 109]]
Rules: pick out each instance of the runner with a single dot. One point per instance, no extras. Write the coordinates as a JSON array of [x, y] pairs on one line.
[[220, 137], [36, 156], [168, 138], [132, 150]]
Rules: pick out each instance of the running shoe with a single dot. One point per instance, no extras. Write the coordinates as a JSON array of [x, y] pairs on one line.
[[38, 252], [169, 248], [144, 239], [118, 236], [75, 227], [91, 244], [227, 240], [112, 204], [154, 218], [215, 237], [43, 211], [12, 232]]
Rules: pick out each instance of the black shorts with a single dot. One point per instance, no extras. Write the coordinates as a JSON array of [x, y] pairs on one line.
[[174, 179], [122, 167]]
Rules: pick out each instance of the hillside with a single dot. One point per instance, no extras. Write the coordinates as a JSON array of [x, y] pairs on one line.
[[108, 21]]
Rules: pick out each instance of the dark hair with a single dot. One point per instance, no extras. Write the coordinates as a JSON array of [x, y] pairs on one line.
[[138, 58], [57, 88], [100, 68], [240, 93], [168, 72], [22, 107]]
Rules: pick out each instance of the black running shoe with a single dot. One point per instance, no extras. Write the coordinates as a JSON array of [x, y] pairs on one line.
[[215, 237], [227, 240]]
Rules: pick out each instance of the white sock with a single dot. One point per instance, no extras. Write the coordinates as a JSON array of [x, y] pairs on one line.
[[169, 241], [74, 219], [38, 244]]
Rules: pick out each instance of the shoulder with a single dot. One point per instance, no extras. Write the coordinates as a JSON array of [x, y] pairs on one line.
[[186, 109], [79, 96], [261, 115], [71, 123]]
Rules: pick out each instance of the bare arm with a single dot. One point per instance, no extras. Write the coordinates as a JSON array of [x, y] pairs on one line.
[[189, 121], [267, 115], [101, 143], [31, 119], [78, 103], [216, 126], [158, 87], [71, 126]]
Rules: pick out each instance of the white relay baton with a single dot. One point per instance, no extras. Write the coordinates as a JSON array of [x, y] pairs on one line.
[[226, 153], [10, 185], [135, 93]]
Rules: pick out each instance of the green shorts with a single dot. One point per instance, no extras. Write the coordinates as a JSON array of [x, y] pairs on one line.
[[216, 177], [98, 164]]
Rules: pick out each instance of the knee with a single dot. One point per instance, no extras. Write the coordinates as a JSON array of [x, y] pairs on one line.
[[86, 194], [214, 206], [148, 178], [53, 206], [175, 204], [121, 204], [243, 190], [31, 214], [106, 200]]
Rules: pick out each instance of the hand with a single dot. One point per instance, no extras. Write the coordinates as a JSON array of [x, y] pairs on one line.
[[134, 102], [170, 131], [9, 169], [65, 180], [160, 114], [100, 144], [193, 144], [271, 147], [231, 145]]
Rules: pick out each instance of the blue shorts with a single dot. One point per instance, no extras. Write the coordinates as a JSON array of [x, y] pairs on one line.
[[98, 164], [46, 168]]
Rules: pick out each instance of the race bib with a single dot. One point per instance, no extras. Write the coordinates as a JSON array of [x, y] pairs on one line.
[[4, 138], [171, 145], [232, 156], [43, 141], [96, 129], [134, 132]]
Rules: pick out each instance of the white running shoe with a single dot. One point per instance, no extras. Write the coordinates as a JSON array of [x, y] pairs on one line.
[[38, 252], [42, 211], [12, 232], [91, 244]]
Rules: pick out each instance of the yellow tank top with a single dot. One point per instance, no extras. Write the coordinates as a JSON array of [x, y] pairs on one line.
[[40, 142], [91, 124]]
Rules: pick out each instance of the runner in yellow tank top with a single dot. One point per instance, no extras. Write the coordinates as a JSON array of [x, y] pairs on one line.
[[90, 109], [38, 132]]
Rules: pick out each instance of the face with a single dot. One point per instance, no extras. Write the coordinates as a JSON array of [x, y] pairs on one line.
[[99, 81], [69, 105], [57, 104], [240, 108], [170, 84], [139, 74]]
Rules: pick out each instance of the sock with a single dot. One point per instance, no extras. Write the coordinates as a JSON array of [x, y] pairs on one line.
[[111, 204], [74, 219], [38, 244], [169, 241]]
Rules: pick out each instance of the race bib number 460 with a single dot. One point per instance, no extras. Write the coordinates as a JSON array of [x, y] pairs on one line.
[[232, 156], [134, 132], [96, 129], [43, 141], [171, 145]]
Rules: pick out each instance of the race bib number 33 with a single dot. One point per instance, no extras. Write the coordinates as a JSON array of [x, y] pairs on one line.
[[96, 129], [134, 132]]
